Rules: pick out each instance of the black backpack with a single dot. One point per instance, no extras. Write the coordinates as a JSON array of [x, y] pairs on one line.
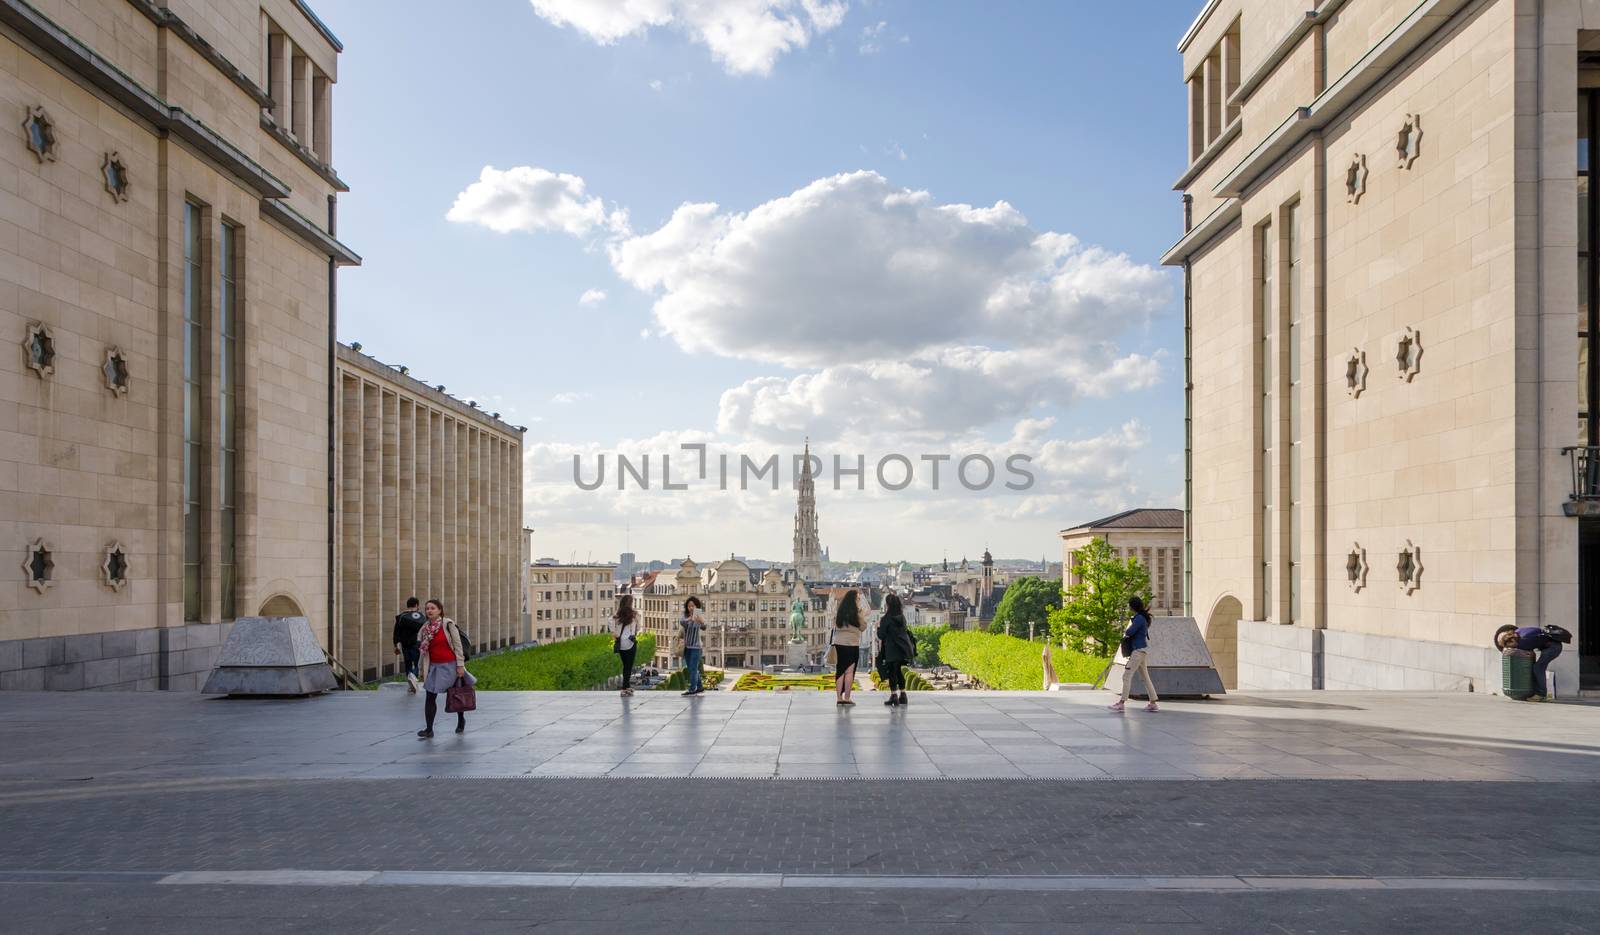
[[466, 642], [1559, 634]]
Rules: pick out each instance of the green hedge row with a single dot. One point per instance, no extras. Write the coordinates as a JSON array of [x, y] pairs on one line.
[[1010, 663], [570, 665]]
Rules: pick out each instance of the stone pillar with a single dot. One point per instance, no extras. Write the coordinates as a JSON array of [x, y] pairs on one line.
[[280, 58], [1213, 83], [264, 60], [371, 524], [1197, 115], [351, 538], [322, 117], [406, 580], [389, 541], [449, 511], [438, 466], [1230, 75], [300, 78]]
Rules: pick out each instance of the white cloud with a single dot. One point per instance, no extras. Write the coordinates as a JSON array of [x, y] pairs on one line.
[[904, 314], [592, 297], [875, 35], [655, 84], [744, 36], [644, 334], [528, 199], [897, 272], [568, 398]]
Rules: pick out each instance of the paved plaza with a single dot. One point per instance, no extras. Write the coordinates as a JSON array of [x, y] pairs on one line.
[[992, 813], [952, 735]]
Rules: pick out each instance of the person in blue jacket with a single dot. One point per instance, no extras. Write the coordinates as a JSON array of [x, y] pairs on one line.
[[1137, 636], [1530, 640]]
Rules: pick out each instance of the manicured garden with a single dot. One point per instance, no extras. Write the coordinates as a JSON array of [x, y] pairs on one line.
[[783, 681], [1006, 662], [679, 681], [580, 663]]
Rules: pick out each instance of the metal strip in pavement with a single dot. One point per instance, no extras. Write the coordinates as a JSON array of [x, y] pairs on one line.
[[1215, 883]]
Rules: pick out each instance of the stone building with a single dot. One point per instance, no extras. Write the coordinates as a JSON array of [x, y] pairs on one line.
[[1153, 536], [746, 613], [808, 553], [571, 600], [430, 505], [167, 266], [1391, 310]]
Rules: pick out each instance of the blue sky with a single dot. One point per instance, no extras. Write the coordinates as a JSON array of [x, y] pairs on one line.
[[747, 325]]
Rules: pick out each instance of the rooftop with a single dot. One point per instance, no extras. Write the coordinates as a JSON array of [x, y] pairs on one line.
[[1140, 518]]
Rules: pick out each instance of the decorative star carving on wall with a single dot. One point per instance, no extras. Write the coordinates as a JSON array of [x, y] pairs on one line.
[[1355, 567], [114, 172], [115, 566], [38, 565], [39, 348], [1408, 567], [1355, 372], [1355, 179], [1408, 144], [1408, 353], [115, 370], [40, 132]]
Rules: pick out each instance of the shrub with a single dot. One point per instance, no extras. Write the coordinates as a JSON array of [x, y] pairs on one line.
[[914, 681], [570, 665], [1006, 662], [763, 682], [679, 679]]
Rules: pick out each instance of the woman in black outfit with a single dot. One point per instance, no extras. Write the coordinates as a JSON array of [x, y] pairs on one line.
[[625, 639], [897, 648]]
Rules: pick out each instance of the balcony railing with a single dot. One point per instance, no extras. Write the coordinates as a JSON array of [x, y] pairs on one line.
[[1585, 497]]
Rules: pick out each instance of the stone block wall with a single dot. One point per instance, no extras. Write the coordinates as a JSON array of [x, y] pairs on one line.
[[151, 659]]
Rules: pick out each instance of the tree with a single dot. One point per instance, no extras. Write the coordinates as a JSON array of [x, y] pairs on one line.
[[1027, 600], [928, 644], [1092, 618]]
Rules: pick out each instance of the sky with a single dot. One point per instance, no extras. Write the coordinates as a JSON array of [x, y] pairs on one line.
[[920, 234]]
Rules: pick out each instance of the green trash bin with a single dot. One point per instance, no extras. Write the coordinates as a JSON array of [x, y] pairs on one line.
[[1516, 675]]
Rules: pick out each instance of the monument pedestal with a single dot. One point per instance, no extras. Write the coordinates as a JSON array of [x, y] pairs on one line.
[[271, 656], [795, 654], [1180, 662]]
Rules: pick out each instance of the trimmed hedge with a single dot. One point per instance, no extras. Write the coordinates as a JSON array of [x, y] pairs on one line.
[[679, 680], [571, 665], [1007, 662], [914, 681]]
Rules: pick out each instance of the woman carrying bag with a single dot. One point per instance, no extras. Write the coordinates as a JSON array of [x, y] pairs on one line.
[[897, 648], [625, 639], [439, 644]]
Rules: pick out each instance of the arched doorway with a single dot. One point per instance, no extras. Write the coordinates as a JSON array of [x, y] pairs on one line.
[[281, 605], [1222, 638]]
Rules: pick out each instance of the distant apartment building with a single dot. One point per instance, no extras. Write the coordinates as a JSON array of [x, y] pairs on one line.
[[747, 613], [1153, 536], [570, 600]]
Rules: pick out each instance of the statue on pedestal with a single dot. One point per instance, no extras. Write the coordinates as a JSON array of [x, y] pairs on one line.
[[797, 620]]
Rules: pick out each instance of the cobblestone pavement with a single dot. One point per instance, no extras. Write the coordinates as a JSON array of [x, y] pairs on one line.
[[893, 827], [1324, 735], [157, 910]]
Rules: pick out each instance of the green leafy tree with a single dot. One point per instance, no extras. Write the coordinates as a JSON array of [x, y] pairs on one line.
[[1092, 617], [928, 644], [1027, 600]]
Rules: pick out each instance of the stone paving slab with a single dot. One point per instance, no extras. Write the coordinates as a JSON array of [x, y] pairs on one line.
[[1312, 735]]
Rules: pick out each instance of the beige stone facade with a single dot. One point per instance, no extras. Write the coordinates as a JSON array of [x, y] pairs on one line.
[[571, 600], [1382, 336], [1153, 536], [166, 269], [430, 506], [747, 615]]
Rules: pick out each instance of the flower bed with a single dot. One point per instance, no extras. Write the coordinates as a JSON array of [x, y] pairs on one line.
[[764, 682], [914, 681]]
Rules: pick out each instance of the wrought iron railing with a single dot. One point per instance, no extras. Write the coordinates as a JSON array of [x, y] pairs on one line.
[[1585, 461]]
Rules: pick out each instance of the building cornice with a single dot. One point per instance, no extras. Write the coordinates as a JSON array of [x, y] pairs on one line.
[[368, 365], [1209, 154], [319, 25], [116, 85], [1199, 21], [1379, 61], [1198, 236], [294, 223], [164, 18], [322, 169], [1320, 14]]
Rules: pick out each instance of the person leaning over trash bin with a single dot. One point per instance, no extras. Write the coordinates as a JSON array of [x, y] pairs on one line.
[[1546, 641]]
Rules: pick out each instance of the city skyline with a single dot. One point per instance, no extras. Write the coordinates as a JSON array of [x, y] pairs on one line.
[[731, 239]]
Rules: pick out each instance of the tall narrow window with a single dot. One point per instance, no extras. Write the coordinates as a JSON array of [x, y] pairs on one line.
[[1268, 364], [228, 402], [194, 286], [1292, 235], [1588, 276]]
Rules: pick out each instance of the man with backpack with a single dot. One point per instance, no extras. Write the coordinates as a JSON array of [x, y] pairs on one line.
[[407, 625], [1546, 641]]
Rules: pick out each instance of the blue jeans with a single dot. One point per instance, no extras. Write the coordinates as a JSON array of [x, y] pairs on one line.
[[1552, 650], [691, 661], [413, 657]]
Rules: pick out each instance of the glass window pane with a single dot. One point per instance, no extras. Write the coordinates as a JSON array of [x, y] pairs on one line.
[[191, 535], [1294, 413], [1583, 130]]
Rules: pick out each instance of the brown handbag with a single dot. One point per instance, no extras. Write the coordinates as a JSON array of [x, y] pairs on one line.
[[460, 698]]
